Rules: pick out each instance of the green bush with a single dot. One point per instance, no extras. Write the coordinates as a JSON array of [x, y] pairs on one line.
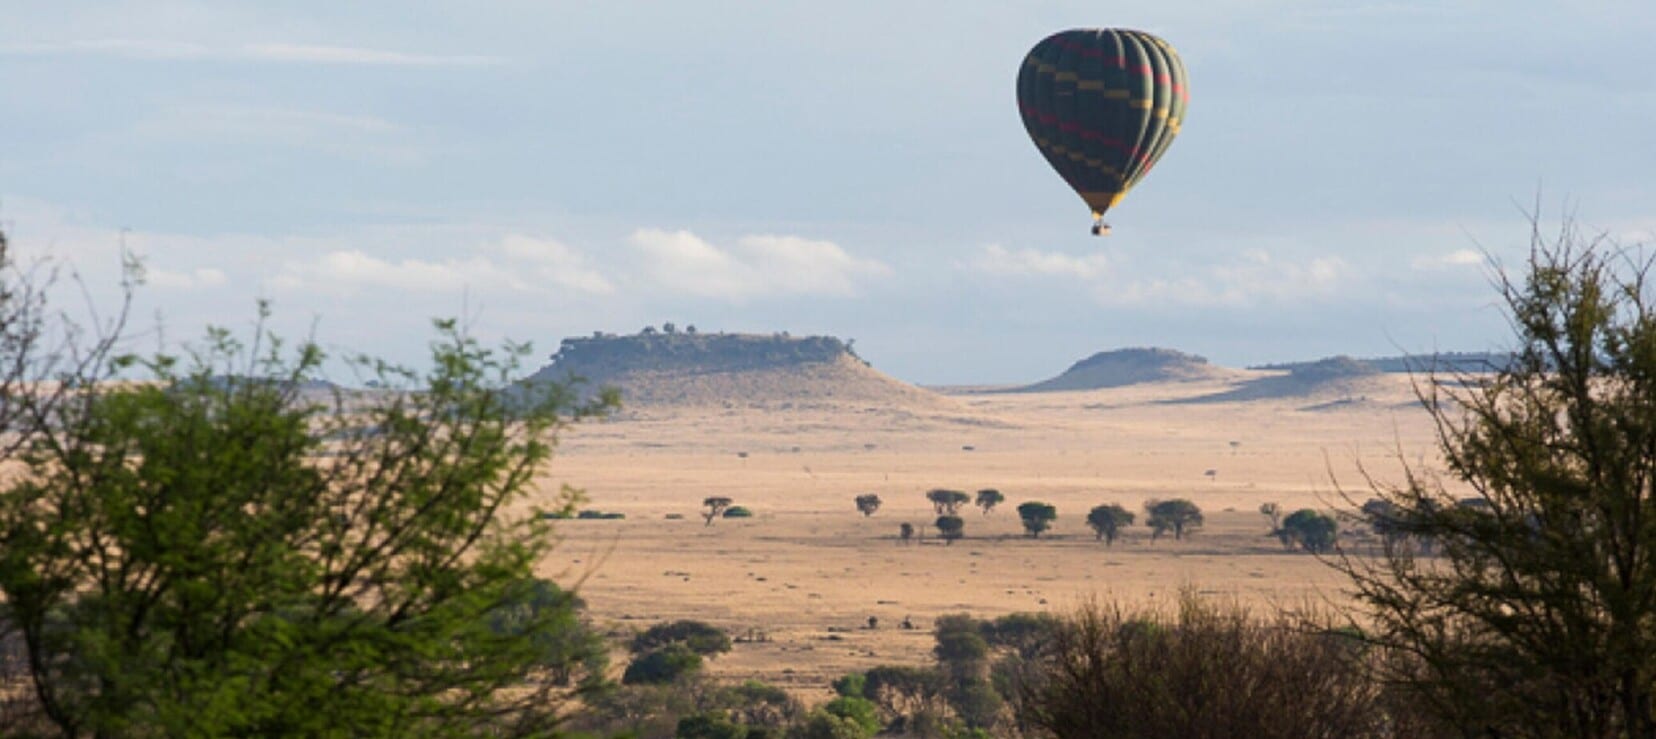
[[738, 512], [851, 684], [824, 725], [860, 710], [663, 665], [701, 638]]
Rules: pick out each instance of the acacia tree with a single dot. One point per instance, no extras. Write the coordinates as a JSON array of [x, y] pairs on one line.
[[947, 502], [1108, 520], [988, 498], [868, 503], [950, 528], [1536, 616], [1177, 515], [1314, 531], [1037, 517], [715, 506], [216, 552]]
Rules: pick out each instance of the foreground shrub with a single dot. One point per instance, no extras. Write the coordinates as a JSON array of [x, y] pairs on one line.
[[1207, 670]]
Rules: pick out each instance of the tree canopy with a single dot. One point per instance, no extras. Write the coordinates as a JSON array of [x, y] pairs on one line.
[[1177, 515], [215, 552], [1535, 616]]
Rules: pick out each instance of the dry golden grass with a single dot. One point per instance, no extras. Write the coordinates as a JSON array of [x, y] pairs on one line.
[[809, 570]]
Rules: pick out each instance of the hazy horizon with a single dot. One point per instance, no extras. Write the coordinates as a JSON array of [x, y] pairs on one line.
[[854, 170]]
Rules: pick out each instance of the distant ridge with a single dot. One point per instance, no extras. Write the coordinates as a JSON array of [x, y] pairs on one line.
[[1442, 361], [688, 368], [1129, 366], [1341, 377]]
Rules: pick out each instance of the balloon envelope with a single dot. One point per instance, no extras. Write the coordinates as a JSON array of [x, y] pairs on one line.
[[1102, 106]]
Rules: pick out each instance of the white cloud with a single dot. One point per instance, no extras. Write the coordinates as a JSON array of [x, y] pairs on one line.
[[184, 279], [517, 263], [1252, 276], [998, 260], [557, 263], [756, 266], [353, 268], [308, 54], [1457, 258], [345, 136], [280, 53], [1256, 278]]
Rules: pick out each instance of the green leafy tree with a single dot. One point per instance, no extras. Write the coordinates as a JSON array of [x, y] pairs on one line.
[[1037, 517], [1108, 520], [216, 553], [1177, 515], [868, 503], [715, 506], [1535, 618], [709, 726], [950, 528], [988, 498], [1314, 531], [858, 709], [702, 638], [947, 502], [664, 664], [1273, 513], [824, 725]]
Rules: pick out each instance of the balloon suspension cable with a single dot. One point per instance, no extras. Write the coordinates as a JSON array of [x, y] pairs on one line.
[[1099, 227]]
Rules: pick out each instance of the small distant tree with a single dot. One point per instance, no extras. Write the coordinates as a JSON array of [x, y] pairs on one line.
[[906, 531], [1108, 520], [702, 638], [669, 328], [950, 528], [868, 503], [1037, 517], [1177, 515], [1273, 513], [1313, 531], [690, 329], [715, 506], [947, 502], [988, 498], [648, 331], [664, 665]]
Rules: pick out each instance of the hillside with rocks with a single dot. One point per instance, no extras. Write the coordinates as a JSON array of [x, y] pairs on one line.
[[1131, 366], [686, 368]]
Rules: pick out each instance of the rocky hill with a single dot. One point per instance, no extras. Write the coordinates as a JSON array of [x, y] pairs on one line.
[[1128, 367], [656, 368]]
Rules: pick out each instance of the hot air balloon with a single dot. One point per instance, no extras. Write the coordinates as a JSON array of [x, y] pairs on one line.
[[1102, 106]]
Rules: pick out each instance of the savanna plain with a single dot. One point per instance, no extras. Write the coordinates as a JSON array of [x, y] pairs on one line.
[[812, 589]]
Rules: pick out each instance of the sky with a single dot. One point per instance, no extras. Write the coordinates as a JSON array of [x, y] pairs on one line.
[[1345, 174]]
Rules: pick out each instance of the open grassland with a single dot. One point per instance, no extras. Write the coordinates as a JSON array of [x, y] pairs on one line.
[[807, 571]]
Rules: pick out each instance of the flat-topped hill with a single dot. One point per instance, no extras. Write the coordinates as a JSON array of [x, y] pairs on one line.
[[729, 369], [1129, 366]]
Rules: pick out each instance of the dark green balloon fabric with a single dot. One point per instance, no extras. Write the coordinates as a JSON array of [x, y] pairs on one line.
[[1102, 106]]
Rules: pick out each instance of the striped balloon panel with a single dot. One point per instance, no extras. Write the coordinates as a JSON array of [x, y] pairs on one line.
[[1102, 106]]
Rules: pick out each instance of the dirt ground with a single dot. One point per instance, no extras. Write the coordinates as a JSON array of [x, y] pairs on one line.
[[802, 577]]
